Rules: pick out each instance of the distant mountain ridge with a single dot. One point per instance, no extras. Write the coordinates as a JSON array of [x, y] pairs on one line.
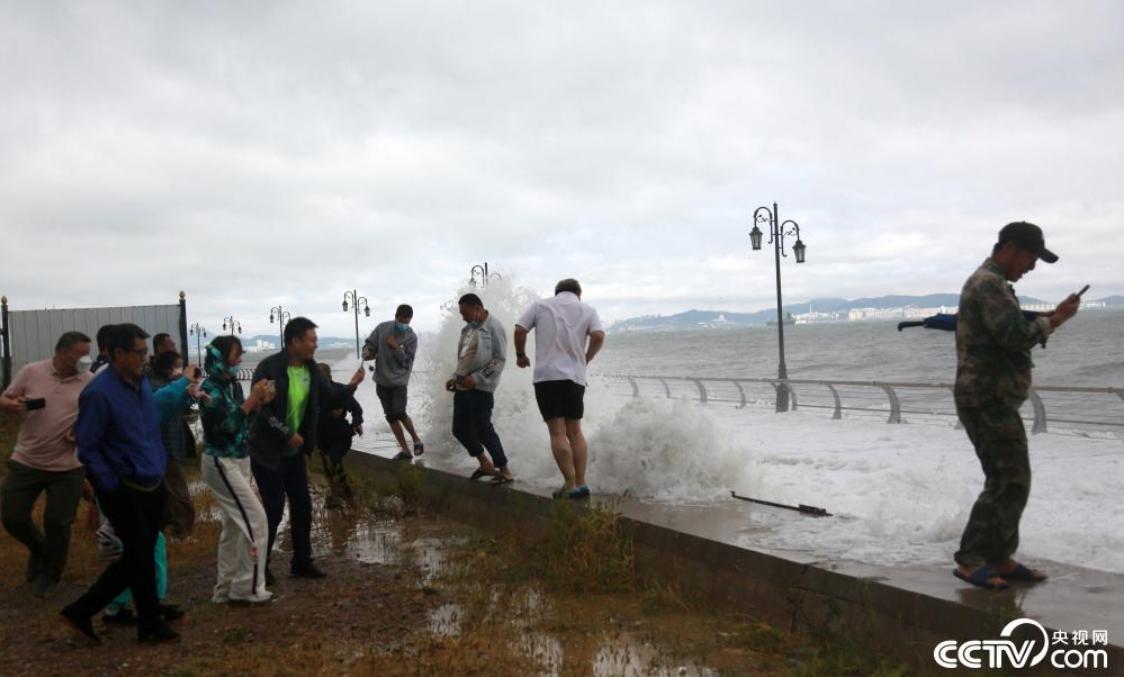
[[323, 341], [717, 318]]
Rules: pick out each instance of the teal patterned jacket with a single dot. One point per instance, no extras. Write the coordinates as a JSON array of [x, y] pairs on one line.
[[226, 427]]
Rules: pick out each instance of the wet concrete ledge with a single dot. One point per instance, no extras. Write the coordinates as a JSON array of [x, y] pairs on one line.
[[903, 611]]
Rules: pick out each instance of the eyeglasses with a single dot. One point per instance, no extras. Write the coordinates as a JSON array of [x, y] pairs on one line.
[[143, 352]]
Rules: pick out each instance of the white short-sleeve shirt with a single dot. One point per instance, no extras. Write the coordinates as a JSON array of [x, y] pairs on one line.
[[561, 325]]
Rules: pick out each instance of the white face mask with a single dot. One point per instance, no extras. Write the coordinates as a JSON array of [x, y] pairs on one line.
[[84, 363]]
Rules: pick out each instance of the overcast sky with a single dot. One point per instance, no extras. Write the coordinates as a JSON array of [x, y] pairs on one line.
[[256, 153]]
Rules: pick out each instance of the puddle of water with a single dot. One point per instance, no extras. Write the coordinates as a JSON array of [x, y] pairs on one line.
[[544, 651], [445, 620], [626, 656]]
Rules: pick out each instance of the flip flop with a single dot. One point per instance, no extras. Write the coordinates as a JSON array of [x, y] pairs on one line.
[[500, 479], [419, 449], [981, 578], [1023, 573], [478, 473], [404, 456]]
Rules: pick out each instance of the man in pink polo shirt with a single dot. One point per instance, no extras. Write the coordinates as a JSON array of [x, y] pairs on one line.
[[45, 396]]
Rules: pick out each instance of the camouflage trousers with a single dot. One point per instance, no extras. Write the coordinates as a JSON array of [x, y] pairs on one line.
[[997, 433]]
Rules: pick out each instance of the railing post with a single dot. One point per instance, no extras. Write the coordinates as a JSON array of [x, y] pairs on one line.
[[785, 395], [635, 388], [666, 390], [838, 414], [741, 392], [895, 405], [1039, 413], [702, 391]]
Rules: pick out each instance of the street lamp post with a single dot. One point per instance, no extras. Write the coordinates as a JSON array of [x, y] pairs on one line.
[[199, 333], [485, 276], [232, 323], [356, 300], [283, 316], [778, 231]]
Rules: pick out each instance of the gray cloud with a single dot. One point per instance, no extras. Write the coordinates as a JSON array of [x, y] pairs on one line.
[[259, 153]]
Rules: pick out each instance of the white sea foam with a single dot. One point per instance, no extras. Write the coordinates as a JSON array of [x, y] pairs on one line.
[[901, 493]]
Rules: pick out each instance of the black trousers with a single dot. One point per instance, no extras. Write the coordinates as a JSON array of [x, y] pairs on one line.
[[136, 516], [21, 488], [472, 425], [289, 480]]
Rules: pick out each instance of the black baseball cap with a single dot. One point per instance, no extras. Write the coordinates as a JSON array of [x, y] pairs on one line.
[[1029, 237]]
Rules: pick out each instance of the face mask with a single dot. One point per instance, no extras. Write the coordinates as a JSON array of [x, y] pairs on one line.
[[474, 325], [84, 363], [401, 328]]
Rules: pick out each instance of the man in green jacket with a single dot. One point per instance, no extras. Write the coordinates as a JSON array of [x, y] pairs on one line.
[[993, 374]]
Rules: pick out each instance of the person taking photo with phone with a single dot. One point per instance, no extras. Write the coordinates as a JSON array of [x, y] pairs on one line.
[[45, 397]]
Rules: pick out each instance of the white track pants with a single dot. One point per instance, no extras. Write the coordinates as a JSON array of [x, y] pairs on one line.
[[245, 530]]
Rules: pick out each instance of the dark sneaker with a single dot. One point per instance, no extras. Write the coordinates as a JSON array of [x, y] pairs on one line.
[[170, 612], [123, 616], [158, 634], [80, 625], [44, 586], [419, 448], [581, 492], [404, 456], [309, 570]]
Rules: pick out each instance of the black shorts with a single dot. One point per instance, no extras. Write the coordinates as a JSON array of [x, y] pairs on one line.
[[560, 399], [393, 400]]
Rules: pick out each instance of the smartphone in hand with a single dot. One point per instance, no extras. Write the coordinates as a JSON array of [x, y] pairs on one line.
[[1083, 290], [35, 403]]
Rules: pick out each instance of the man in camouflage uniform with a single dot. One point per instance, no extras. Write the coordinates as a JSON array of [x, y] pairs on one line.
[[993, 365]]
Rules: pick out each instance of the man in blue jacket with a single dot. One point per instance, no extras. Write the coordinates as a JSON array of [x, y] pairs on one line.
[[118, 439], [283, 437]]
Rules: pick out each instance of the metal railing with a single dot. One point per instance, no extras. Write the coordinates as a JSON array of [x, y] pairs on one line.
[[1073, 405]]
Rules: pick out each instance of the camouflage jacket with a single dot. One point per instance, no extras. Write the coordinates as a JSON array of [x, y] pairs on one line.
[[993, 341]]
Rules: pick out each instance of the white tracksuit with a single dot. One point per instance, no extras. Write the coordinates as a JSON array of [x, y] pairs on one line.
[[245, 530]]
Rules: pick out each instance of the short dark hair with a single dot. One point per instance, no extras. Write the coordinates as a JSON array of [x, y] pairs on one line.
[[325, 370], [296, 328], [163, 363], [570, 285], [471, 299], [69, 339], [103, 335], [158, 339], [404, 310], [123, 337], [225, 345]]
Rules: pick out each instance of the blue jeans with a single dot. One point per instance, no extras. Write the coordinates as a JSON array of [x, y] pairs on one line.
[[289, 480]]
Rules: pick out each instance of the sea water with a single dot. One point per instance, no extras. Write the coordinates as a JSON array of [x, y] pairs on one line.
[[901, 493]]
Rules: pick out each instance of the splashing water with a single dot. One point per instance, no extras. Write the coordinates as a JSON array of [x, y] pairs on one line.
[[665, 450]]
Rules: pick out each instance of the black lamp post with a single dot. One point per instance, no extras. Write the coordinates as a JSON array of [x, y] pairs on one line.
[[233, 324], [356, 300], [199, 333], [778, 231], [283, 317], [485, 276]]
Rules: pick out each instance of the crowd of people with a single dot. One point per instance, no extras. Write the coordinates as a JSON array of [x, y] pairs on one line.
[[113, 430]]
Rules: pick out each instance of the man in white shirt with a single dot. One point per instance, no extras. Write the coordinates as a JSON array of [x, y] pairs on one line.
[[569, 334]]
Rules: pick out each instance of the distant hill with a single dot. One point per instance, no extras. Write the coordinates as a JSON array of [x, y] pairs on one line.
[[323, 341], [1113, 301], [719, 319]]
